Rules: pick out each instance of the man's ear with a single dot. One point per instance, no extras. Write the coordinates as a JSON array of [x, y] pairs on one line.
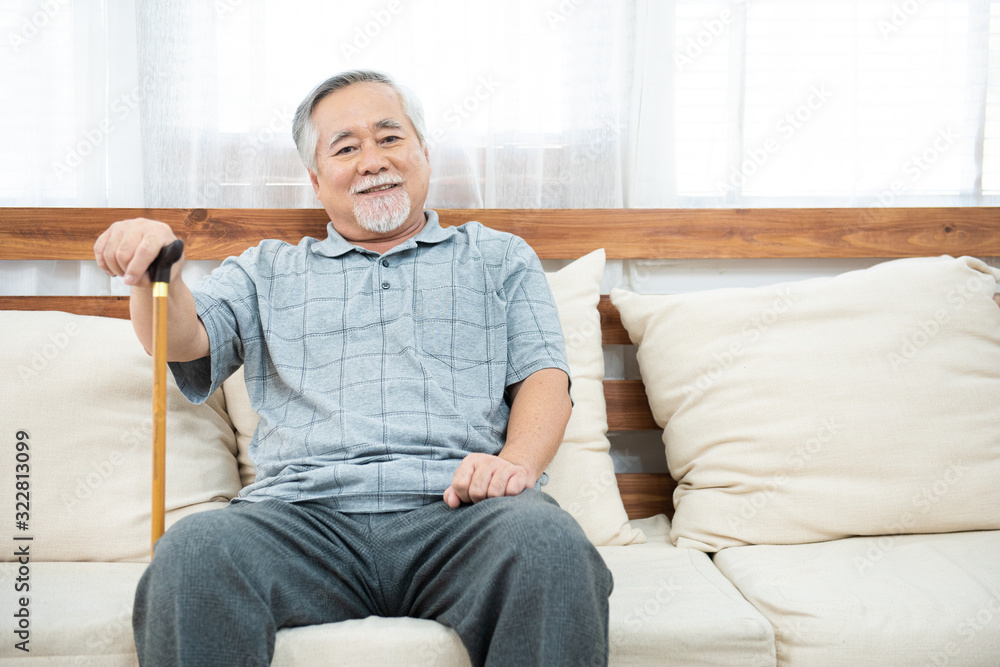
[[314, 180]]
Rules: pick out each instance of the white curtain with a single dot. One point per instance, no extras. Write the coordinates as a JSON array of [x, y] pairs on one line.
[[564, 103], [557, 103]]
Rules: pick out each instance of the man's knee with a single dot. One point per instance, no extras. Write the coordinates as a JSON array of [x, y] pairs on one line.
[[192, 532], [536, 517], [195, 547], [536, 528], [541, 549]]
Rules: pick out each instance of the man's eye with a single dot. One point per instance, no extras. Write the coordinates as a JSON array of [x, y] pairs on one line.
[[344, 150], [390, 139]]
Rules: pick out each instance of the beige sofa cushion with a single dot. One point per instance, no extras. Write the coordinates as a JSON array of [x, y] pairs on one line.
[[81, 387], [671, 606], [890, 600], [862, 404], [244, 419], [80, 614], [582, 475], [385, 642]]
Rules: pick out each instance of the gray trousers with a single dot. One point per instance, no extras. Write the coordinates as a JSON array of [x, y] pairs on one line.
[[515, 577]]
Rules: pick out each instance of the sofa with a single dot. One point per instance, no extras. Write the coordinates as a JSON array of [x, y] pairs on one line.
[[833, 444]]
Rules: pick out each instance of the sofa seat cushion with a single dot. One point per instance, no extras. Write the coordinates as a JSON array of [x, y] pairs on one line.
[[891, 600], [370, 641], [79, 614], [671, 606]]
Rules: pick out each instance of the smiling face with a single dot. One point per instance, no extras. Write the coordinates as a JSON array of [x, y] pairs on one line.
[[371, 173]]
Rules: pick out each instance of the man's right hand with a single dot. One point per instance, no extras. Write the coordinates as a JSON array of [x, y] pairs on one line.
[[128, 247]]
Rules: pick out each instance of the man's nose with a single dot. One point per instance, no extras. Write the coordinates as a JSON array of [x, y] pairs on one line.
[[371, 160]]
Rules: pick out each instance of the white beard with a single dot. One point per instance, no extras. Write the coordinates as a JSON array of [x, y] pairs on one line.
[[381, 215]]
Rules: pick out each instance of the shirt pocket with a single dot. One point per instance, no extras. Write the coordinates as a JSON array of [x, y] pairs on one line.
[[462, 326]]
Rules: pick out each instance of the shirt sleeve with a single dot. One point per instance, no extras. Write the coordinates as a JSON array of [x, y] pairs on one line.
[[534, 335], [226, 302]]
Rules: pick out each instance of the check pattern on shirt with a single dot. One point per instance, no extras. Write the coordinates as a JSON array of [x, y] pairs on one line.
[[374, 375]]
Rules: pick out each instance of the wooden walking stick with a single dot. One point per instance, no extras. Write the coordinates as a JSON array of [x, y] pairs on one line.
[[159, 273]]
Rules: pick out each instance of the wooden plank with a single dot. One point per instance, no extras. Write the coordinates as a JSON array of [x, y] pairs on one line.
[[103, 306], [612, 330], [749, 233], [646, 494], [628, 407], [69, 233]]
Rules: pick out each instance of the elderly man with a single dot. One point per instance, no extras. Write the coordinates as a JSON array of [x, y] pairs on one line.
[[412, 387]]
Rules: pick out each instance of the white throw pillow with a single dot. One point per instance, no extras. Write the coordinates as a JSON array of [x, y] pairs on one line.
[[582, 475], [81, 389], [862, 404], [244, 419]]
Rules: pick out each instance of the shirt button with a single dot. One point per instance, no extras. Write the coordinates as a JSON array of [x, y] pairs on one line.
[[385, 285], [385, 262]]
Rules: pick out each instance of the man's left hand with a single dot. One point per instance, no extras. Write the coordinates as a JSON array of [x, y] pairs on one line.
[[481, 476]]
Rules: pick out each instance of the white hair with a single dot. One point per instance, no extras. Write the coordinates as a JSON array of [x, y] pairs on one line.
[[304, 130]]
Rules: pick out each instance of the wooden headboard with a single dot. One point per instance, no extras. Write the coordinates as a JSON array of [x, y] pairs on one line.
[[214, 234]]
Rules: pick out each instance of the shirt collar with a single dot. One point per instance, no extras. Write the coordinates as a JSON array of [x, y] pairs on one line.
[[336, 245]]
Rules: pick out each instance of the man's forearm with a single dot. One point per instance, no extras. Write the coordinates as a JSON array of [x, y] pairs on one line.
[[539, 412], [538, 418], [187, 338]]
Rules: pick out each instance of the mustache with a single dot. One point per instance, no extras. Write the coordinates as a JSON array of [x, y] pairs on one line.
[[375, 181]]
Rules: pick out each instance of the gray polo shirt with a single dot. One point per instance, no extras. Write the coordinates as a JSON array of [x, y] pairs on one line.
[[375, 375]]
